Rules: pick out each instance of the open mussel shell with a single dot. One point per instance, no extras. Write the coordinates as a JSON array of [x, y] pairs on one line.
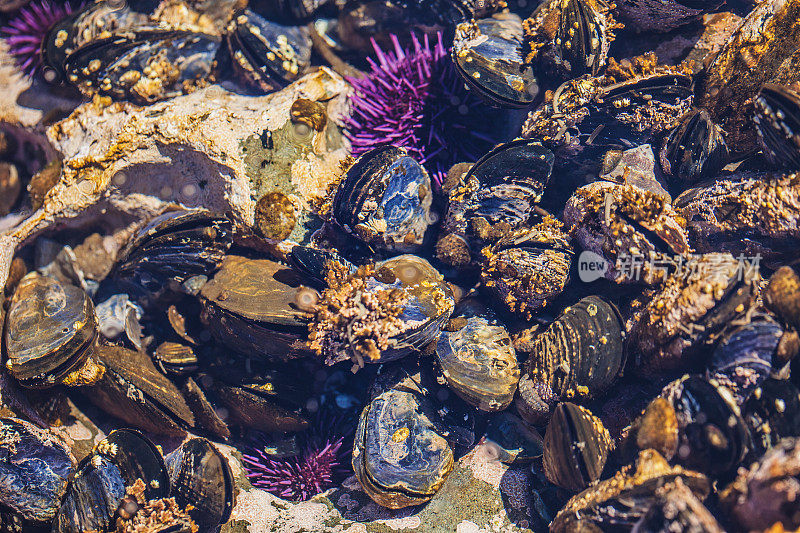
[[528, 268], [694, 151], [398, 457], [385, 200], [34, 468], [772, 413], [122, 66], [712, 437], [479, 363], [777, 120], [619, 502], [51, 329], [100, 483], [516, 441], [498, 194], [488, 56], [576, 447], [133, 390], [200, 477], [743, 359], [676, 508], [267, 54], [259, 307], [175, 247], [579, 355]]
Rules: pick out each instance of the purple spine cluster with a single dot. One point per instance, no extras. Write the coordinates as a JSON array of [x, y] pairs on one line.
[[300, 477], [26, 33], [414, 99]]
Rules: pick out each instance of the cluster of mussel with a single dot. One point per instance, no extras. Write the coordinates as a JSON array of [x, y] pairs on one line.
[[666, 387]]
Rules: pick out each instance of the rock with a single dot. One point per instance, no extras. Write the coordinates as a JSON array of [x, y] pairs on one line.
[[213, 148]]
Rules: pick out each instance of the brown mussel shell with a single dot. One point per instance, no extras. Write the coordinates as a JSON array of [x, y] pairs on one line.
[[50, 331], [576, 447], [134, 391], [528, 268], [693, 306], [754, 214], [258, 306], [623, 499], [635, 230]]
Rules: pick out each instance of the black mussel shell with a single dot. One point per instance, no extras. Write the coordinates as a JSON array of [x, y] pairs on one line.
[[676, 508], [175, 247], [712, 437], [259, 307], [498, 194], [34, 468], [576, 447], [267, 54], [587, 339], [777, 120], [50, 331], [200, 477], [134, 391], [312, 263], [175, 359], [772, 413], [100, 483], [123, 66], [663, 15], [488, 56], [385, 200], [399, 458], [743, 358], [694, 151], [621, 101], [570, 38], [95, 21], [479, 363], [295, 10]]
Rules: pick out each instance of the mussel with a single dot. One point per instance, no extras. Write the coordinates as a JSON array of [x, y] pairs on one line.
[[579, 355], [777, 119], [51, 330], [772, 413], [267, 54], [576, 446], [202, 483], [529, 267], [173, 249], [34, 468], [487, 54], [100, 484], [694, 151], [381, 312], [398, 457], [385, 200], [497, 195], [626, 497], [259, 307], [479, 363]]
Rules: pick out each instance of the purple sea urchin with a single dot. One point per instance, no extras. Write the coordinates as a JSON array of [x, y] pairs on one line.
[[415, 99], [297, 478], [26, 33]]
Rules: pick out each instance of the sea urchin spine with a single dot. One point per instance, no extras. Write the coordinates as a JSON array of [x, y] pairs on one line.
[[26, 33]]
